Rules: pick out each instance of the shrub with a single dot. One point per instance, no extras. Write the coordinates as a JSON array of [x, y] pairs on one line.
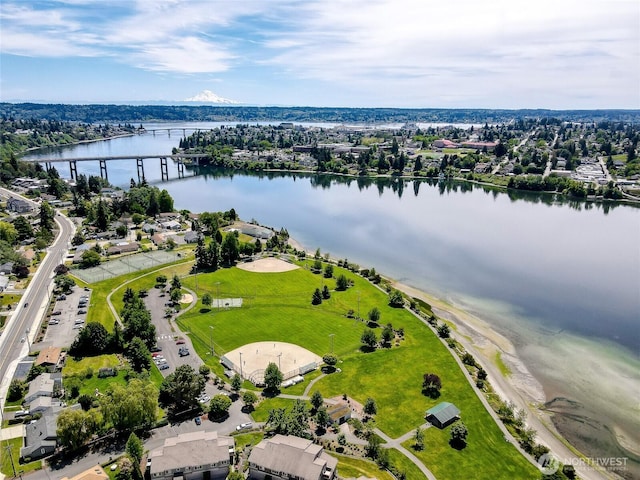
[[396, 299]]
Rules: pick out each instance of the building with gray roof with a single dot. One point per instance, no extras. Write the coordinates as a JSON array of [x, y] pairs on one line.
[[40, 438], [192, 456], [41, 386], [289, 457]]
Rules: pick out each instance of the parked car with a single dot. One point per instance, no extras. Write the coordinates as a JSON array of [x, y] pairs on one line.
[[53, 321], [183, 352], [163, 366], [57, 312], [197, 420], [81, 312], [244, 426], [155, 349], [180, 341]]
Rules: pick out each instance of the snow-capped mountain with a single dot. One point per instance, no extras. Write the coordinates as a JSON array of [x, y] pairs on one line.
[[207, 96]]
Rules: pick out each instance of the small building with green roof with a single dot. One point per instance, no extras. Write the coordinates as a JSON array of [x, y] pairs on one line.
[[443, 414]]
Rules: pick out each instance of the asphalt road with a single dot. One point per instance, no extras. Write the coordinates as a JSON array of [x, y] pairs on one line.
[[23, 325]]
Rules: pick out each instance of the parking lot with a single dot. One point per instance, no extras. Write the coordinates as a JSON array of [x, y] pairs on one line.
[[169, 341], [68, 317]]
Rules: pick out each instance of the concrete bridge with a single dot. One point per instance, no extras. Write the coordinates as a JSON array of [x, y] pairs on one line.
[[174, 129], [179, 158]]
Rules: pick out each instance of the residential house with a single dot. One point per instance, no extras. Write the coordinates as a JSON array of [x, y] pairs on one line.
[[489, 146], [443, 143], [192, 236], [196, 455], [288, 457], [50, 357], [18, 205], [164, 216], [123, 248], [175, 237], [40, 438], [149, 227], [443, 414], [45, 404], [255, 231], [481, 167], [6, 268], [43, 386], [171, 225], [4, 282], [158, 239]]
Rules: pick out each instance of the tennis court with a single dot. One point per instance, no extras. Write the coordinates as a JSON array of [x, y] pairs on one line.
[[124, 265]]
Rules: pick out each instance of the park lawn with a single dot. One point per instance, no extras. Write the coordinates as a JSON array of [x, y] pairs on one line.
[[300, 387], [278, 306], [351, 467], [274, 301], [89, 386], [78, 367], [6, 468], [486, 456], [261, 412], [403, 464]]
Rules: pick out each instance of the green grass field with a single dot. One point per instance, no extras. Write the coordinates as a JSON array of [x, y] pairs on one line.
[[355, 467], [278, 306], [6, 467]]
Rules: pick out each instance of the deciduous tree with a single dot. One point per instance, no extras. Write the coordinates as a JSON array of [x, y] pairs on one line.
[[180, 390], [272, 377], [219, 406], [459, 435], [249, 399], [131, 406], [431, 385], [369, 339]]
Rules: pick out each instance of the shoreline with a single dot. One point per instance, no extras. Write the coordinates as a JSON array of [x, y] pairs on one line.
[[79, 142], [520, 386]]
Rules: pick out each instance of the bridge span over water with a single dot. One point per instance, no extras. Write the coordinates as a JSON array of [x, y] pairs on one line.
[[179, 158]]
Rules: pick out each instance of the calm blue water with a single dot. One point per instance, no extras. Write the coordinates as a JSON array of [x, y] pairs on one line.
[[565, 266]]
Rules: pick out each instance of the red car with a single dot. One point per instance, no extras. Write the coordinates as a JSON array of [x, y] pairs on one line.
[[180, 342]]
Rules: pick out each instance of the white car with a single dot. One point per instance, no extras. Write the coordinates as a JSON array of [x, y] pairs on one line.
[[244, 426]]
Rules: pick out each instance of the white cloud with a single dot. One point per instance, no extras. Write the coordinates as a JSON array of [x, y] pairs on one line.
[[183, 55], [419, 53]]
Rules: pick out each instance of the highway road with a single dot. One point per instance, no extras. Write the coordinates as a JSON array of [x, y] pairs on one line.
[[23, 325]]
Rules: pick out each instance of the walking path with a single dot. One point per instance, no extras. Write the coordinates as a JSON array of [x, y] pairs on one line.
[[397, 444]]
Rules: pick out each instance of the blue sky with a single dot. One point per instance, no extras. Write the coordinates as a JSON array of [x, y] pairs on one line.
[[371, 53]]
